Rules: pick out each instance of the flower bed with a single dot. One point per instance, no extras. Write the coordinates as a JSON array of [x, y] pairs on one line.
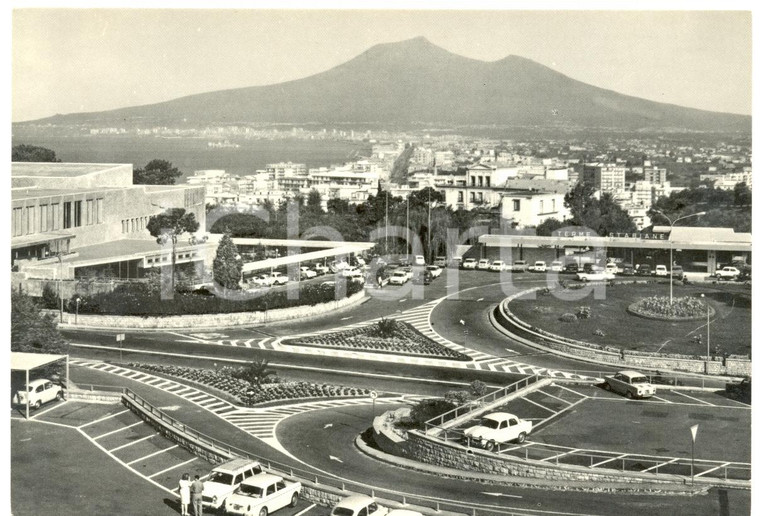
[[660, 307], [247, 393], [402, 340]]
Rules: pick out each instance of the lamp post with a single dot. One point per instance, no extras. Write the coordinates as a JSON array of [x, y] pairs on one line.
[[386, 221], [707, 309], [76, 316], [670, 240], [60, 285]]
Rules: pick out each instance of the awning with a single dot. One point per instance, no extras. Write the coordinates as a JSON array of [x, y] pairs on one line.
[[28, 361], [39, 238]]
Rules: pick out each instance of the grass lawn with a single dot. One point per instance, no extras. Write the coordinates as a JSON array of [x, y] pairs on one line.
[[730, 327]]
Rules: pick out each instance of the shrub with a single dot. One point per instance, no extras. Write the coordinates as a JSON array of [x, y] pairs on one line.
[[50, 297], [426, 410], [384, 328], [584, 312], [599, 333], [458, 397], [478, 388], [568, 317]]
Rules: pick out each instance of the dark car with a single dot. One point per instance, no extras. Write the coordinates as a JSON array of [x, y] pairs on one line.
[[677, 272], [571, 268], [741, 391], [644, 270], [628, 271]]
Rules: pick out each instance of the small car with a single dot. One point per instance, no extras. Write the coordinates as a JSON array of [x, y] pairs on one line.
[[556, 266], [260, 280], [262, 494], [519, 266], [741, 391], [408, 270], [677, 272], [359, 505], [419, 260], [352, 272], [628, 271], [498, 266], [38, 392], [434, 270], [440, 261], [727, 273], [498, 428], [307, 273], [278, 278], [225, 478], [571, 268], [644, 270], [321, 269], [423, 277], [661, 270], [469, 263], [398, 278], [630, 384], [612, 268], [484, 264], [538, 266]]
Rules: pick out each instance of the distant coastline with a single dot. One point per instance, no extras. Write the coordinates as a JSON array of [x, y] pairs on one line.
[[191, 154]]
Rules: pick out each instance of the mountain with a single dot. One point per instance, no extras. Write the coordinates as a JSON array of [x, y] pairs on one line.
[[415, 81]]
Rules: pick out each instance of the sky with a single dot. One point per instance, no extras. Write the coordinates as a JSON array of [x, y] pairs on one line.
[[86, 59]]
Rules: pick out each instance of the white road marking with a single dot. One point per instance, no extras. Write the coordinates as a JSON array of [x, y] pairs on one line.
[[661, 399], [174, 467], [609, 460], [153, 454], [347, 318], [659, 465], [133, 442], [117, 430], [479, 300], [335, 459], [693, 398], [501, 494], [539, 405], [712, 469]]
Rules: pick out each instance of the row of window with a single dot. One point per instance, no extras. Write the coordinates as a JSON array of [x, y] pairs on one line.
[[479, 181], [28, 220], [134, 225], [165, 258]]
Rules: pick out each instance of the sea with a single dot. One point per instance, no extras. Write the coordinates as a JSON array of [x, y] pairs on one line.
[[192, 154]]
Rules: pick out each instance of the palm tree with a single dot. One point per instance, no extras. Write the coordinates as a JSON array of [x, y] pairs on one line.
[[255, 371]]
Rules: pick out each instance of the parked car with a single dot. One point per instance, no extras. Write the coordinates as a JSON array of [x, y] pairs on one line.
[[278, 278], [359, 505], [498, 428], [627, 271], [321, 268], [260, 280], [519, 266], [644, 270], [423, 277], [727, 273], [592, 267], [408, 270], [483, 264], [440, 261], [263, 494], [419, 260], [225, 478], [435, 270], [38, 392], [498, 266], [741, 391], [538, 266], [398, 277], [661, 270], [307, 273], [336, 267], [677, 272], [469, 263], [352, 272], [597, 275], [571, 268], [630, 384], [556, 266], [612, 268]]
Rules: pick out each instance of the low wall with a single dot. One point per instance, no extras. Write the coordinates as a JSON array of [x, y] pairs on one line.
[[93, 396], [615, 356], [209, 320]]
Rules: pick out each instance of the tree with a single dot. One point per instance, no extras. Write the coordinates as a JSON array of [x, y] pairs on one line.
[[314, 203], [338, 206], [255, 372], [31, 330], [742, 194], [578, 199], [427, 409], [156, 172], [549, 226], [228, 266], [33, 153], [168, 226]]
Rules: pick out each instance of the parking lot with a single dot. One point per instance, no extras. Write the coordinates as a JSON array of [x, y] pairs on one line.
[[100, 459], [586, 425]]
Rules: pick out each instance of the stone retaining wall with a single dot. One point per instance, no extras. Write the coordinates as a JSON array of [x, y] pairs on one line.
[[209, 320], [730, 366]]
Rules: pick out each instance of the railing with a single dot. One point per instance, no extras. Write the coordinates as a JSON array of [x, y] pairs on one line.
[[94, 387], [438, 421], [313, 479], [628, 462]]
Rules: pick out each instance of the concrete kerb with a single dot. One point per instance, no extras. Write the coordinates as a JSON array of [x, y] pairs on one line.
[[524, 482], [503, 330]]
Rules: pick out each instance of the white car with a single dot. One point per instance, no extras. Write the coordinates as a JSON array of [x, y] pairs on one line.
[[434, 270], [398, 278], [484, 264], [278, 278], [538, 266], [352, 272], [630, 384], [498, 428], [321, 268], [519, 266], [661, 270], [307, 273], [469, 263], [225, 478], [260, 280], [262, 494], [611, 268], [38, 392], [498, 266], [419, 260], [727, 273], [359, 505], [556, 266]]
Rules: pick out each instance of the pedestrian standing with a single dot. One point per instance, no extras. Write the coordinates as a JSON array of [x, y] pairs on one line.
[[196, 495], [184, 494]]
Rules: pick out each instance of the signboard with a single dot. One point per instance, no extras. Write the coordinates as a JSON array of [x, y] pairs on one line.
[[373, 394]]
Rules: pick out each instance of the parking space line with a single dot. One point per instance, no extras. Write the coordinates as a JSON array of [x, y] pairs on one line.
[[693, 398], [133, 442], [103, 418], [310, 507], [618, 457], [659, 465], [539, 405], [174, 467], [153, 454], [555, 397], [546, 420], [118, 430], [661, 399], [570, 390], [712, 469], [38, 414]]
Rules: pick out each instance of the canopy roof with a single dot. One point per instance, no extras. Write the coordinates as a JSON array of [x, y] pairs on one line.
[[27, 361]]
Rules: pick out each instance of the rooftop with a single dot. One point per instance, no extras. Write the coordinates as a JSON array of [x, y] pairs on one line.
[[29, 169]]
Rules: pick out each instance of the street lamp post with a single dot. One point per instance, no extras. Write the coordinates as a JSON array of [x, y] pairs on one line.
[[670, 240], [60, 285], [707, 309]]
